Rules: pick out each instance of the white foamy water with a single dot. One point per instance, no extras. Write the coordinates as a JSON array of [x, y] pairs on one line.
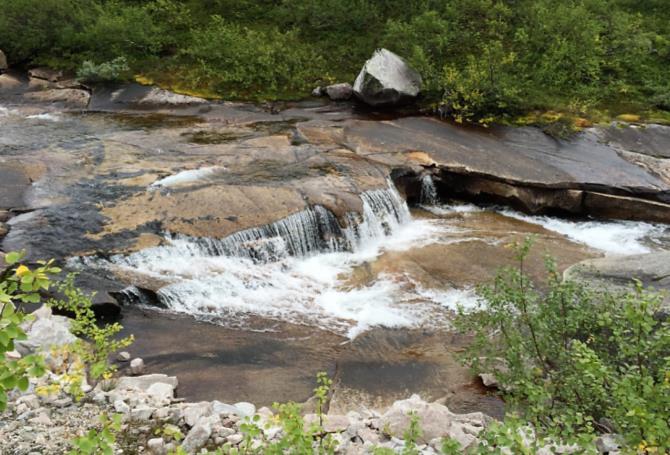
[[189, 176], [616, 237], [295, 270], [45, 116]]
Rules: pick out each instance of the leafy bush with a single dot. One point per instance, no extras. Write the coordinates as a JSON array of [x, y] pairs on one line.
[[96, 342], [574, 360], [101, 442], [19, 285], [104, 72], [242, 61]]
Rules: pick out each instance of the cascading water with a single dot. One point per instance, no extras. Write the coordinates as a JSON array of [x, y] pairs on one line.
[[428, 191], [291, 270]]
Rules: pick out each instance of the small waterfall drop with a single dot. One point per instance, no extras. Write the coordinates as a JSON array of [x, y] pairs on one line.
[[289, 270], [428, 191]]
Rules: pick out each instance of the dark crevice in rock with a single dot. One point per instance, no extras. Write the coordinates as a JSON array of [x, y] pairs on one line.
[[563, 200]]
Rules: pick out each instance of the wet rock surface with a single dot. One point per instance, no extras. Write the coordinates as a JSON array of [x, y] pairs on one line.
[[137, 173]]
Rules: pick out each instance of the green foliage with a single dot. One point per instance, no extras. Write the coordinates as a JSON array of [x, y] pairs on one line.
[[574, 360], [100, 442], [411, 435], [238, 61], [481, 59], [19, 285], [96, 342], [104, 72]]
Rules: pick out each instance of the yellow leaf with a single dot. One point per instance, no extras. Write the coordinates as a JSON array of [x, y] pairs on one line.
[[22, 270]]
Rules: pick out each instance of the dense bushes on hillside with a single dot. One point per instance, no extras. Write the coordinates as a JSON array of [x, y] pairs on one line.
[[482, 57]]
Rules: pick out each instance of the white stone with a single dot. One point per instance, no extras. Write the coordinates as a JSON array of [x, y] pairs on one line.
[[235, 439], [137, 366], [156, 446], [245, 409], [30, 400], [197, 437], [434, 419], [607, 443], [45, 332], [121, 406], [334, 423], [41, 419], [123, 356], [141, 413], [161, 392], [142, 383], [193, 412]]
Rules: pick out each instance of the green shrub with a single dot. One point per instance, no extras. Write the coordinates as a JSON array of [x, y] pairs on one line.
[[104, 72], [19, 285], [574, 360], [241, 61]]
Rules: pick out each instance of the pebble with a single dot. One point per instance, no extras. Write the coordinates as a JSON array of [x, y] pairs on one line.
[[137, 366], [123, 356]]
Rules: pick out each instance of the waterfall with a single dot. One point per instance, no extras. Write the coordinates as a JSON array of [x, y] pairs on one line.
[[428, 191], [288, 270]]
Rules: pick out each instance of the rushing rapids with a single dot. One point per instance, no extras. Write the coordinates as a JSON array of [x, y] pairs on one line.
[[291, 270]]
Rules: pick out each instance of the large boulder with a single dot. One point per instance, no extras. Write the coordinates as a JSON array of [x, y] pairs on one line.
[[387, 79], [617, 274], [3, 62]]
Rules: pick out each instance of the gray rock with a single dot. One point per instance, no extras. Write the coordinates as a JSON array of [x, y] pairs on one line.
[[192, 413], [318, 91], [46, 74], [608, 443], [62, 402], [161, 392], [141, 413], [121, 406], [197, 437], [137, 366], [68, 97], [123, 356], [387, 79], [488, 379], [340, 92], [157, 97], [245, 409], [156, 446], [223, 408], [46, 331], [41, 419], [334, 423], [617, 273], [3, 62], [235, 439], [29, 400], [143, 383]]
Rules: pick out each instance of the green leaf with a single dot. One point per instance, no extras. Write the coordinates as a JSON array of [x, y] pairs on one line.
[[23, 384], [13, 257]]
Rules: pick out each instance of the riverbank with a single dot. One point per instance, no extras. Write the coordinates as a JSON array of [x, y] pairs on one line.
[[46, 419]]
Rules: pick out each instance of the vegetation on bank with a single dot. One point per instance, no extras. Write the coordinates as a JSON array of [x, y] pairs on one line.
[[571, 361], [481, 59]]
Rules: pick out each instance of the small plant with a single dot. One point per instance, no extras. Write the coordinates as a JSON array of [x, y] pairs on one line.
[[19, 284], [101, 442], [412, 435], [96, 343], [111, 71]]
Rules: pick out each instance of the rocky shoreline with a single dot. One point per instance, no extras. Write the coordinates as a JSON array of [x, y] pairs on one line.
[[45, 420]]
